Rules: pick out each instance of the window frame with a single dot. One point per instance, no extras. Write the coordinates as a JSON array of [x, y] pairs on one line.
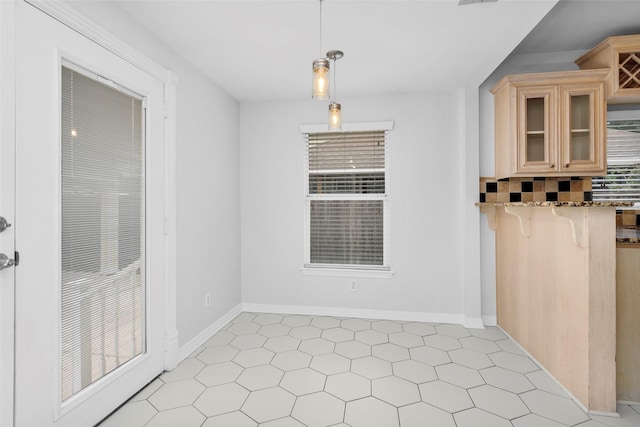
[[348, 270]]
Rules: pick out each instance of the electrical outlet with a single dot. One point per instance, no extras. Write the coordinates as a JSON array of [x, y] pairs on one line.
[[207, 300], [353, 285]]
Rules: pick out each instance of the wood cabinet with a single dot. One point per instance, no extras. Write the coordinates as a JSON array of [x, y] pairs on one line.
[[551, 124], [621, 55], [556, 290]]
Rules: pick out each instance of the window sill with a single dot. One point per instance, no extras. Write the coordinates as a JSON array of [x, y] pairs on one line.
[[346, 272]]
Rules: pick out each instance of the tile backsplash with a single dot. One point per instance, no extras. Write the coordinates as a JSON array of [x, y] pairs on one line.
[[569, 189], [627, 218]]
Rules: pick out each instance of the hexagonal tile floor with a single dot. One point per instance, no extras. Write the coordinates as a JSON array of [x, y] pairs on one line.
[[277, 370]]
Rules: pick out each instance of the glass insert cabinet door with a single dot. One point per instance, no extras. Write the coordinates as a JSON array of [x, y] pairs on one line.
[[537, 124], [582, 126]]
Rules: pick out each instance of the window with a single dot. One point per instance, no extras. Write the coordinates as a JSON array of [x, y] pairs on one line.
[[103, 228], [347, 201], [622, 182]]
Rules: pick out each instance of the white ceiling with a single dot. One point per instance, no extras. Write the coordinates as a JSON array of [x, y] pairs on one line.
[[263, 49]]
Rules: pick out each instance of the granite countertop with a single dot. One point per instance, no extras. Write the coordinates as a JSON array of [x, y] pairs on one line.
[[561, 204]]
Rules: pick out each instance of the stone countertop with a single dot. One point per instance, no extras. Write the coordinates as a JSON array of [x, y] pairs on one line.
[[560, 204]]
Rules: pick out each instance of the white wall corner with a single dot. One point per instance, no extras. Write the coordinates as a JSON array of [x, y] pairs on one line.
[[203, 336], [470, 238]]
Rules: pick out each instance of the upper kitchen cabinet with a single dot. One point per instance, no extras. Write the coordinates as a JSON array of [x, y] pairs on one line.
[[551, 124], [621, 54]]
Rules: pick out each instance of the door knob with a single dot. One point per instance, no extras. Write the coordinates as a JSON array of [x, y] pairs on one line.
[[6, 262]]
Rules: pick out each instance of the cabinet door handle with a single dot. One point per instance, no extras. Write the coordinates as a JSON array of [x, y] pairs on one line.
[[552, 166], [566, 165]]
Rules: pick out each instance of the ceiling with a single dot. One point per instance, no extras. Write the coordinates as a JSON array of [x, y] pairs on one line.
[[263, 49]]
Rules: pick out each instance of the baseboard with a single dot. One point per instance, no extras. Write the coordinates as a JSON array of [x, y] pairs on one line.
[[171, 352], [490, 320], [406, 316], [628, 402], [473, 323], [203, 336], [604, 414]]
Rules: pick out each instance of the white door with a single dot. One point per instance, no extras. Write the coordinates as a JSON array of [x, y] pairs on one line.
[[55, 383]]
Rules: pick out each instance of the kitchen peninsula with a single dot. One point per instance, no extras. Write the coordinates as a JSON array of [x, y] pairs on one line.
[[556, 290]]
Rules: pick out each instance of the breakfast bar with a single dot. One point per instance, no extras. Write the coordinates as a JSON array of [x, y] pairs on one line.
[[556, 290]]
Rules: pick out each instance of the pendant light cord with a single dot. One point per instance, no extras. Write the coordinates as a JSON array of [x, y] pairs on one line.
[[335, 93], [320, 41]]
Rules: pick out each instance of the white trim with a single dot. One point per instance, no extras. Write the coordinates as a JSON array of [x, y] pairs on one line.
[[348, 127], [405, 316], [384, 271], [70, 17], [347, 271], [7, 139], [473, 323], [203, 336], [490, 320], [171, 348]]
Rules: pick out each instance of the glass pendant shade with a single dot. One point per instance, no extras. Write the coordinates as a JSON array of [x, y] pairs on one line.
[[335, 116], [320, 79]]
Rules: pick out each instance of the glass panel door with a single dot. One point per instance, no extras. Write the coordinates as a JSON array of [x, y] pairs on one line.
[[103, 287]]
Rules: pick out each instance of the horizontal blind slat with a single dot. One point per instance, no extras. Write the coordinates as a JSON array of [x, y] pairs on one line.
[[622, 182]]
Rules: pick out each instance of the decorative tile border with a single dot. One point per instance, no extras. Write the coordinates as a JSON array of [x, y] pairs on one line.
[[539, 189]]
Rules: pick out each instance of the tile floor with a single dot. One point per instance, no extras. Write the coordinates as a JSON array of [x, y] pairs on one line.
[[272, 370]]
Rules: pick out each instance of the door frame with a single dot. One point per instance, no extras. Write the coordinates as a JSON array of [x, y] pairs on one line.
[[78, 22], [7, 174], [73, 19]]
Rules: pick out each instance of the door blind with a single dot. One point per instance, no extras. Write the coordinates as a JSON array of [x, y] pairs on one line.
[[346, 198], [103, 199], [622, 182]]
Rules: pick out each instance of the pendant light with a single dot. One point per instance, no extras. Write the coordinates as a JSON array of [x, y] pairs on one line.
[[320, 76], [335, 118], [335, 109]]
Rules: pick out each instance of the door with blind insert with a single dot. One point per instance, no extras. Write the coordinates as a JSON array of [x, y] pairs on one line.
[[89, 226]]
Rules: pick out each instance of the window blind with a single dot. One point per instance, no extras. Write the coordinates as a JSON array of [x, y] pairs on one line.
[[622, 182], [103, 196], [346, 198]]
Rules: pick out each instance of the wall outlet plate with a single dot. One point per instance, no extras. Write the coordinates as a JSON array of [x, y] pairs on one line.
[[353, 285]]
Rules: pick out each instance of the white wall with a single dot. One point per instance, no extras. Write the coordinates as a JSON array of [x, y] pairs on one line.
[[207, 178], [425, 195]]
